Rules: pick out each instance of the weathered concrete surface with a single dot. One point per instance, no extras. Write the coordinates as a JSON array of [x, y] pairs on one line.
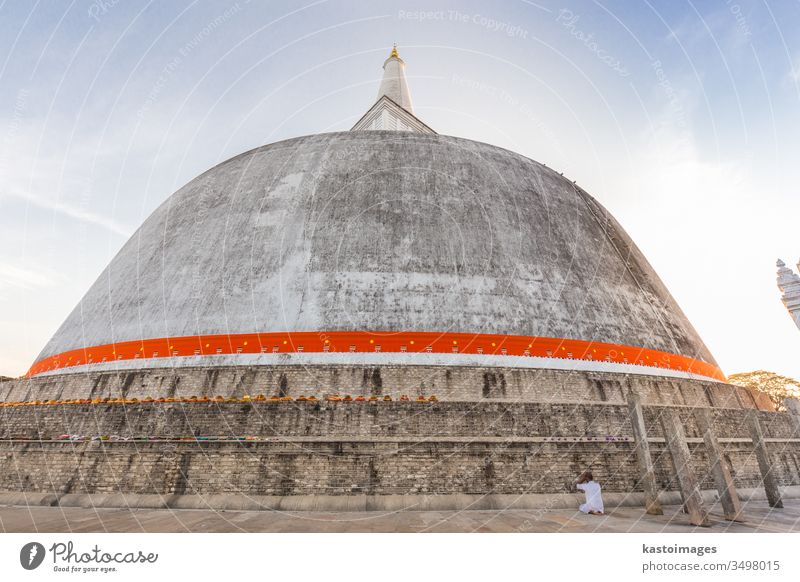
[[761, 518], [381, 231], [679, 450], [729, 498], [646, 468], [765, 463]]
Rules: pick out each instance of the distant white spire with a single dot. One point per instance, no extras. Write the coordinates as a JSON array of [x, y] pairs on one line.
[[393, 110], [789, 285], [394, 84]]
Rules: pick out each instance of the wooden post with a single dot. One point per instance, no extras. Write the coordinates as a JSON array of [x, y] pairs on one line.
[[731, 504], [764, 462], [690, 490], [646, 470]]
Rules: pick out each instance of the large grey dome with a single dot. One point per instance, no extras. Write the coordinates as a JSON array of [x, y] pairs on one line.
[[380, 231]]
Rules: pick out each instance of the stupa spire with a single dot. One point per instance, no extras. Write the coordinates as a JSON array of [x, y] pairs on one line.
[[789, 286], [392, 110], [394, 84]]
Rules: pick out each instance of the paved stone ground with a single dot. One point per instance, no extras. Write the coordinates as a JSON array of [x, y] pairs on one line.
[[759, 518]]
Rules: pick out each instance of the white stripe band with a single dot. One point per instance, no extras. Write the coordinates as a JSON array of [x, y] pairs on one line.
[[376, 359]]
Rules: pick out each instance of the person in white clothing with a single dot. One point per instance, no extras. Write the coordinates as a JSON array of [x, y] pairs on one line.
[[594, 499]]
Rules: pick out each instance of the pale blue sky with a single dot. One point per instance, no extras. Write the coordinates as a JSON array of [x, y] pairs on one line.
[[682, 118]]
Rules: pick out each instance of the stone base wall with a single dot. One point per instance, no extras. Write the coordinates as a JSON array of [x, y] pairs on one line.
[[447, 383], [343, 468], [366, 420], [349, 448]]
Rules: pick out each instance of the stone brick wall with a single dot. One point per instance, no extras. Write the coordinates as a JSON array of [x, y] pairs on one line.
[[447, 383], [335, 468], [727, 424], [342, 420], [339, 448]]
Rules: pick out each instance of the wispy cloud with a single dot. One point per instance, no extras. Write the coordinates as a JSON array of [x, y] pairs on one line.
[[71, 211], [794, 71], [14, 277]]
